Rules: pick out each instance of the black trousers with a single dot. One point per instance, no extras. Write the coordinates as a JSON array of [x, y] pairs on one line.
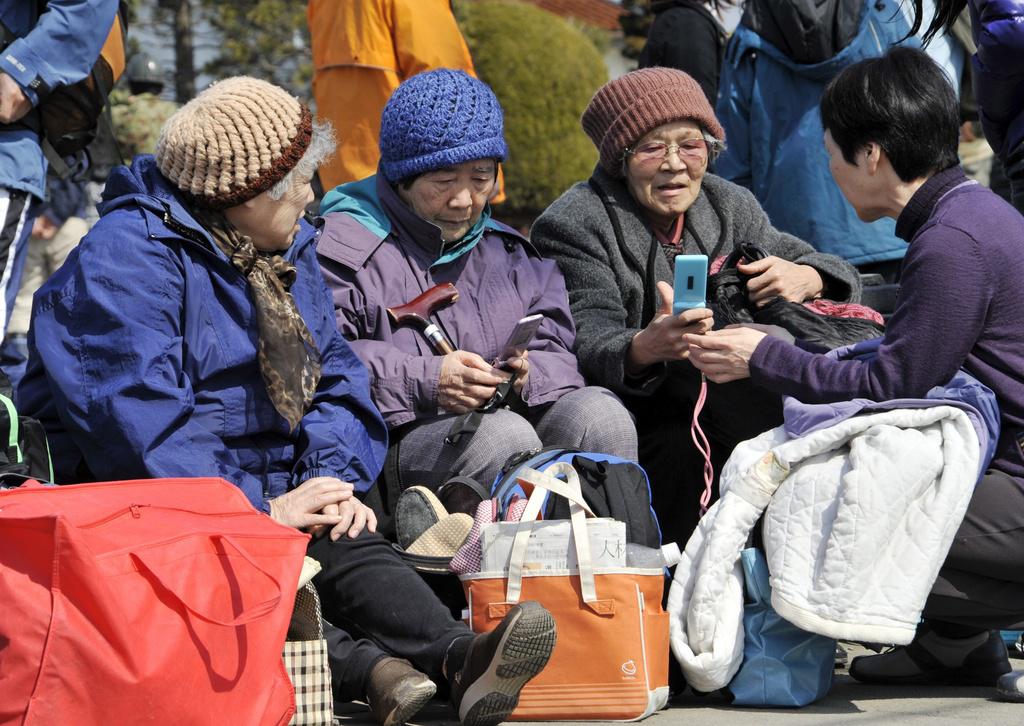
[[733, 412], [381, 607], [982, 581]]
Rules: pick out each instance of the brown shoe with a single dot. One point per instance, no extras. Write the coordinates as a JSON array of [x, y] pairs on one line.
[[397, 691]]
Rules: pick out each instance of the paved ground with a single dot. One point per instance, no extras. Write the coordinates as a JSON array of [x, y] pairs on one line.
[[848, 702]]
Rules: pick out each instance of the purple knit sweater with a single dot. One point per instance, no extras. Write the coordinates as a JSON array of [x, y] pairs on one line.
[[961, 304]]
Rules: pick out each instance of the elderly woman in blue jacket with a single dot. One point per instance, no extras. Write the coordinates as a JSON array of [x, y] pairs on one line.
[[191, 334]]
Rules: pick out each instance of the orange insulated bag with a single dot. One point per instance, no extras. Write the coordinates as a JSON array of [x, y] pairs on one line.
[[611, 658]]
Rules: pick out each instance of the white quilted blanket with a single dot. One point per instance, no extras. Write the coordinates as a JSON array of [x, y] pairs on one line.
[[859, 519]]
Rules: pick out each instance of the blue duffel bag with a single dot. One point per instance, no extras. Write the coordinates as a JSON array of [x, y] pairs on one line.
[[782, 664]]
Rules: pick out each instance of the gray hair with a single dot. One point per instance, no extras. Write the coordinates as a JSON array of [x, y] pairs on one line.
[[321, 148], [715, 146]]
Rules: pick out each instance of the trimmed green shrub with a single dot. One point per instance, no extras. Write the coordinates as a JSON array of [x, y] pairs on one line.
[[544, 72]]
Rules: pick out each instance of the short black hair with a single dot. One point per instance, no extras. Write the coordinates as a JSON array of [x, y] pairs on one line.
[[901, 101]]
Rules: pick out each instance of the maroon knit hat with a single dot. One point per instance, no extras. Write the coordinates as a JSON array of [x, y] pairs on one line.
[[625, 109]]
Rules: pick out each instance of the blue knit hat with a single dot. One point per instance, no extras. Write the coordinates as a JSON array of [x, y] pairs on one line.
[[436, 119]]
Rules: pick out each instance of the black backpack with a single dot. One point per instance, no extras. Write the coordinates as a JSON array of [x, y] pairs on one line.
[[613, 487], [24, 452]]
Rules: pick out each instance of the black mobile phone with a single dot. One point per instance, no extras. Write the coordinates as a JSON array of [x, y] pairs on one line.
[[518, 339]]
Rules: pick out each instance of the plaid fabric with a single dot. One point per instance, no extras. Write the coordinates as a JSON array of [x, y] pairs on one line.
[[305, 659]]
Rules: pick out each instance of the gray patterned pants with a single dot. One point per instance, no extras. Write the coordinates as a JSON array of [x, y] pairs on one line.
[[589, 419]]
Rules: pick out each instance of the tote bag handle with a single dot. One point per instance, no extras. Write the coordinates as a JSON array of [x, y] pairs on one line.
[[169, 575], [542, 482]]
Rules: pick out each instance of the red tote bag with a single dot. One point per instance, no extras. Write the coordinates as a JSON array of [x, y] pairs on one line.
[[157, 601]]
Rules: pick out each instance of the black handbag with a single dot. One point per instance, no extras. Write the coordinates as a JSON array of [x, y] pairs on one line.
[[727, 297]]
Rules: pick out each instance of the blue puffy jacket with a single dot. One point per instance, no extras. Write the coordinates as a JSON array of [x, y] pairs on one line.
[[143, 359], [999, 74], [57, 48], [768, 104]]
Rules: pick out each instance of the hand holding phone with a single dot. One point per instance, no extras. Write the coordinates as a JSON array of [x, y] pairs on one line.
[[691, 279], [518, 340]]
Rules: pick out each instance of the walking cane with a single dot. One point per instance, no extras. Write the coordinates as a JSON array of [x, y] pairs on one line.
[[417, 313]]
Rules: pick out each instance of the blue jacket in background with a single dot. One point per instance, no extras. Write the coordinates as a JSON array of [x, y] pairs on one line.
[[143, 359], [768, 104], [57, 48]]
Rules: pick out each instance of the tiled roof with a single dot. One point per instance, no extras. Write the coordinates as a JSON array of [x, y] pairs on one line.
[[600, 13]]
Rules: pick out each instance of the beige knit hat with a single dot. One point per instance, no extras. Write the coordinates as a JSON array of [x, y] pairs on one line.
[[233, 141], [625, 109]]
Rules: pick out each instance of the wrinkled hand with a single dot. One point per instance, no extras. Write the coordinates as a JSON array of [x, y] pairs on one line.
[[724, 355], [520, 367], [466, 382], [775, 277], [772, 331], [664, 337], [330, 510], [309, 504], [14, 104], [354, 517]]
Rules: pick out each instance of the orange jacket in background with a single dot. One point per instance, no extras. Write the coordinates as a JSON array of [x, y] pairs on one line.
[[362, 50]]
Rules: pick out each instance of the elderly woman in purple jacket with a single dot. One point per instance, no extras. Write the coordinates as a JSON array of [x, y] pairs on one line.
[[424, 220]]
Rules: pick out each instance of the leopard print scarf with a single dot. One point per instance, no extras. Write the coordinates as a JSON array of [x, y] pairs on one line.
[[288, 357]]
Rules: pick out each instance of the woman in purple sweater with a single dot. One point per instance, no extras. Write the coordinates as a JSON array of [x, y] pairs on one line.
[[891, 132]]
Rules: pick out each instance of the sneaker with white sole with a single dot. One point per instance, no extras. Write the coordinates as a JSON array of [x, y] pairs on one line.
[[498, 664]]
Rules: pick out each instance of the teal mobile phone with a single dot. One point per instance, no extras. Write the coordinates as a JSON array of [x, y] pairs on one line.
[[691, 283]]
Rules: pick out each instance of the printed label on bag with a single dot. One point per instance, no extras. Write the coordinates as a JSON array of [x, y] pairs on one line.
[[629, 669]]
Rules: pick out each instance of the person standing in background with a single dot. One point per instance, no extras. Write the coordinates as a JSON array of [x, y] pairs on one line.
[[688, 35], [997, 71], [41, 51], [362, 51], [777, 65]]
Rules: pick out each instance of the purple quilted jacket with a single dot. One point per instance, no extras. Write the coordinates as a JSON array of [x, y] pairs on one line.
[[999, 72]]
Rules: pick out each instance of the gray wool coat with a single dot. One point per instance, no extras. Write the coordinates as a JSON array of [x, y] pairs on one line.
[[606, 282]]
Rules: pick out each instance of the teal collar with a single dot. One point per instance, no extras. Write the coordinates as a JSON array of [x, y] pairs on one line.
[[360, 201], [374, 204], [451, 251]]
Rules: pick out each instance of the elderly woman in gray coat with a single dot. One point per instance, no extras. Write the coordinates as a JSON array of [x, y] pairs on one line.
[[614, 238]]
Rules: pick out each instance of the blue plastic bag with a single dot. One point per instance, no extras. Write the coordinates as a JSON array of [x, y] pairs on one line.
[[782, 665]]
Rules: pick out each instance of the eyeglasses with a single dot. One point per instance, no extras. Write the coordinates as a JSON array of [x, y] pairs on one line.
[[654, 153]]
